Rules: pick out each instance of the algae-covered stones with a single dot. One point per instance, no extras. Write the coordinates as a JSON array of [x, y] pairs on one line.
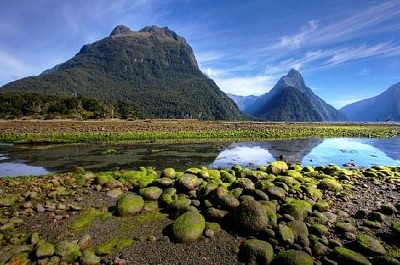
[[188, 227], [277, 168], [68, 251], [251, 216], [168, 173], [276, 193], [292, 257], [300, 232], [330, 184], [254, 251], [343, 227], [285, 234], [369, 246], [299, 209], [189, 182], [151, 193], [396, 228], [388, 209], [349, 257], [45, 249], [129, 204]]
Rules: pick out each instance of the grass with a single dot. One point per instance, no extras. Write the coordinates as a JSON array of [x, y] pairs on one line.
[[180, 130]]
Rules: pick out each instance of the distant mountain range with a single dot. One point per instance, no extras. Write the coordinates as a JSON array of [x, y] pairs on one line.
[[384, 107], [154, 70], [243, 102], [291, 100]]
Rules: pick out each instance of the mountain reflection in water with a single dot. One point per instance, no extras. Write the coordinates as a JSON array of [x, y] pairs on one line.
[[18, 160]]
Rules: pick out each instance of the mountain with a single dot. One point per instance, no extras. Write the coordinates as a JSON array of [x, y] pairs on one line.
[[384, 107], [242, 102], [154, 70], [291, 100]]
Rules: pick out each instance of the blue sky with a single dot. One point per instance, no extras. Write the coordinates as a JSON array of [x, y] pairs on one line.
[[346, 50]]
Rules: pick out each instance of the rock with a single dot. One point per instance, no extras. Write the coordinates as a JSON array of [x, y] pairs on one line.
[[7, 227], [168, 173], [330, 184], [250, 217], [8, 201], [369, 246], [384, 260], [44, 249], [216, 214], [151, 193], [376, 216], [343, 227], [68, 251], [257, 194], [114, 184], [188, 227], [292, 257], [189, 182], [84, 242], [35, 238], [349, 257], [388, 209], [209, 233], [39, 208], [115, 194], [319, 249], [276, 193], [129, 204], [299, 209], [361, 214], [89, 258], [285, 234], [229, 202], [300, 232], [215, 227], [396, 228], [254, 252], [244, 183], [278, 168], [318, 230]]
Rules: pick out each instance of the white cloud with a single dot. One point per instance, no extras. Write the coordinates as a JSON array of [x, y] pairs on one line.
[[244, 86], [297, 39]]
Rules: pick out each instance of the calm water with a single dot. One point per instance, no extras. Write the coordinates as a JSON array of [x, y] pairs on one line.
[[18, 160]]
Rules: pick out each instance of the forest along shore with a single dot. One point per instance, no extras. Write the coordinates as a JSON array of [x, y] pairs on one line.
[[277, 213], [69, 131]]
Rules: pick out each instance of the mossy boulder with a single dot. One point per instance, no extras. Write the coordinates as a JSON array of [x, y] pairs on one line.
[[44, 249], [346, 256], [285, 234], [68, 251], [292, 257], [244, 183], [102, 178], [299, 209], [343, 227], [250, 216], [129, 204], [151, 193], [188, 182], [168, 173], [188, 227], [278, 168], [254, 251], [318, 229], [369, 246], [330, 184], [276, 193], [300, 232], [227, 177], [388, 209], [396, 228]]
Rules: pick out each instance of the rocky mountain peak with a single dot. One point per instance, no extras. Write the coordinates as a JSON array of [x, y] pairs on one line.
[[121, 30], [163, 32], [292, 79]]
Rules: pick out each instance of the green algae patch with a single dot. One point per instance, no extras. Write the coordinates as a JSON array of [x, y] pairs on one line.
[[148, 217], [86, 219], [113, 245], [188, 227]]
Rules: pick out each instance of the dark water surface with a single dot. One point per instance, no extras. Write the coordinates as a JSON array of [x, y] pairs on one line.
[[19, 160]]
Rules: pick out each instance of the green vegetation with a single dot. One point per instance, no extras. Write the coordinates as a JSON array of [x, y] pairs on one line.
[[179, 130], [85, 220]]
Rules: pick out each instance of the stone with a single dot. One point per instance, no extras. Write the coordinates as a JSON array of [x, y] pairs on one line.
[[115, 193], [168, 173], [396, 228], [330, 184], [84, 242], [254, 252], [361, 214], [318, 230], [349, 257], [285, 234], [188, 227], [216, 214], [300, 232], [129, 204], [319, 249], [244, 183], [292, 257], [89, 258], [189, 182], [44, 249], [39, 208], [299, 209], [68, 251], [276, 193], [278, 168], [388, 209], [369, 246], [151, 193], [250, 216], [376, 216], [114, 184], [343, 227]]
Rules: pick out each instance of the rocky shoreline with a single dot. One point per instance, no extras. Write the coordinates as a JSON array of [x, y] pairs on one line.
[[277, 214]]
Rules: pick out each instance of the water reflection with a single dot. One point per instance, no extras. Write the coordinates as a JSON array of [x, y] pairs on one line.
[[37, 160]]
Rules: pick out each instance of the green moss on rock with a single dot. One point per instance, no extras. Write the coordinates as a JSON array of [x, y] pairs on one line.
[[188, 227], [292, 257], [251, 216], [68, 251], [330, 184], [129, 204], [278, 168], [299, 209], [254, 252], [346, 256], [369, 246]]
